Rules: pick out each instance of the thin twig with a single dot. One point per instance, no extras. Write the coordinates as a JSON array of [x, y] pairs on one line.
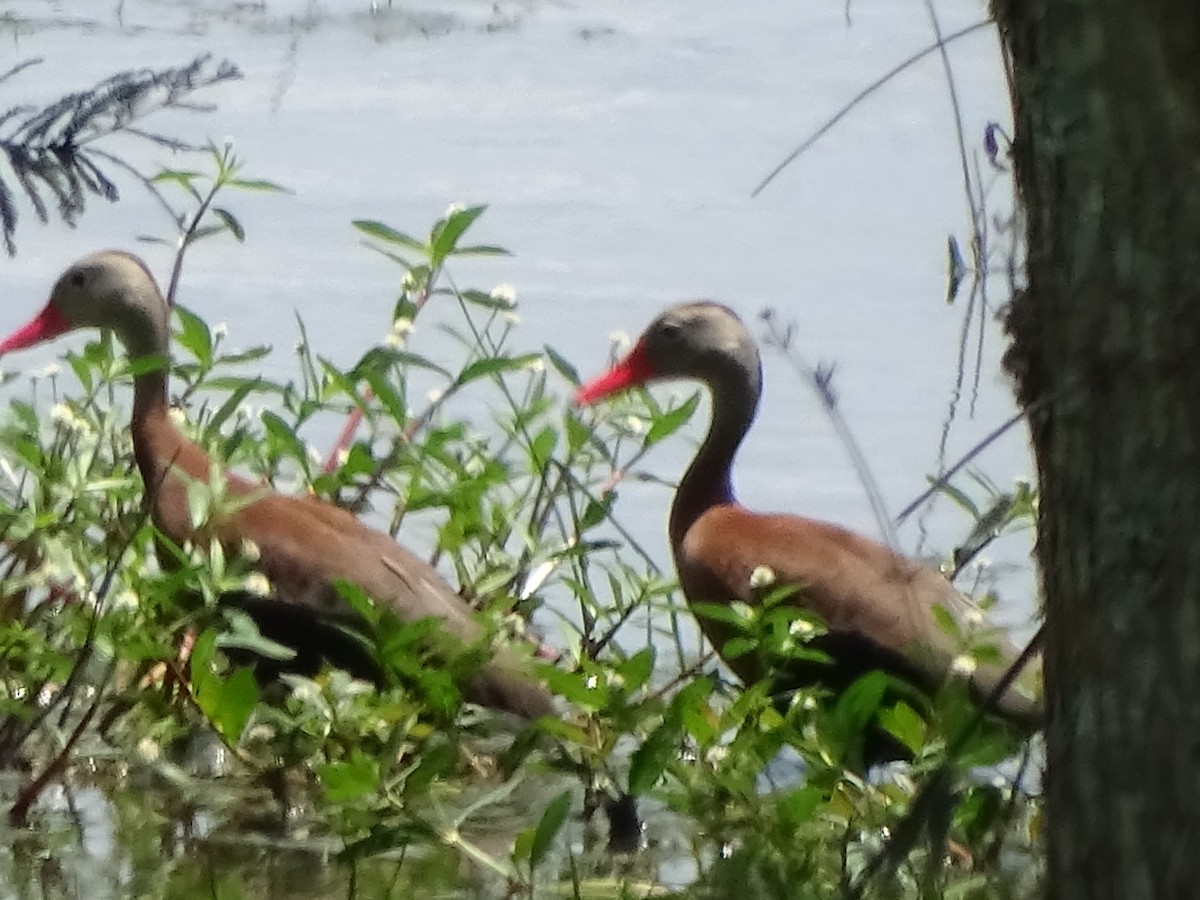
[[863, 95]]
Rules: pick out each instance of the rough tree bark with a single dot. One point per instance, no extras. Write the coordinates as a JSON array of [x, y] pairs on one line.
[[1106, 354]]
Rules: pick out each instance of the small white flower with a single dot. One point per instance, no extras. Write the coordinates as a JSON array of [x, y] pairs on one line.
[[398, 336], [454, 209], [635, 425], [511, 319], [435, 395], [306, 691], [973, 617], [619, 340], [148, 750], [49, 371], [220, 330], [125, 599], [506, 294], [64, 415], [536, 365], [257, 583], [761, 577], [964, 665], [250, 551], [801, 628], [592, 682], [408, 281]]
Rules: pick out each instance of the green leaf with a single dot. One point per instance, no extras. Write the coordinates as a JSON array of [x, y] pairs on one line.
[[282, 438], [359, 601], [193, 335], [386, 394], [253, 354], [670, 421], [542, 448], [946, 622], [260, 185], [350, 780], [386, 233], [596, 511], [959, 497], [651, 758], [636, 670], [482, 250], [493, 365], [243, 634], [230, 221], [445, 235], [560, 363], [227, 408], [903, 722], [239, 694], [179, 177], [574, 687], [549, 826], [723, 612], [859, 702]]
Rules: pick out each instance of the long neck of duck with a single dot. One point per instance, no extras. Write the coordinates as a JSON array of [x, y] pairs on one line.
[[708, 480], [155, 438]]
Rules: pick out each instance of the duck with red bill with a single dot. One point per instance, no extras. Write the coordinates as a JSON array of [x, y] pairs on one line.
[[879, 607]]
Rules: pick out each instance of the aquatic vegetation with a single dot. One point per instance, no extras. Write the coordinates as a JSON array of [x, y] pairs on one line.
[[124, 679]]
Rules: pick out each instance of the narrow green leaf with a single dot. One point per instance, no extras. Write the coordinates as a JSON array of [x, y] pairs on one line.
[[230, 221], [258, 184], [282, 439], [651, 758], [482, 250], [227, 408], [560, 363], [193, 335], [671, 421], [386, 233], [549, 826], [722, 612], [387, 395], [542, 448], [445, 235], [493, 365]]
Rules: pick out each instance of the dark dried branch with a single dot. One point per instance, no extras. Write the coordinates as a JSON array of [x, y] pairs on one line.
[[48, 149]]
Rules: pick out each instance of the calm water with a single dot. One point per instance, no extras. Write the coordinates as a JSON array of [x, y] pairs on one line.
[[617, 145]]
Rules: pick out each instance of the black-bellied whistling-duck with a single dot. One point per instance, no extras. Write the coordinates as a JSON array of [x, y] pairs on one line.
[[305, 544], [877, 605]]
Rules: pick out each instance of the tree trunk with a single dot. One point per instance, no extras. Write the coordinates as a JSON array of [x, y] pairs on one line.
[[1106, 355]]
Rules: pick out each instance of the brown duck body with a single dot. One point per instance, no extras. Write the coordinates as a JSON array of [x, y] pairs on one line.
[[305, 545], [878, 606]]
